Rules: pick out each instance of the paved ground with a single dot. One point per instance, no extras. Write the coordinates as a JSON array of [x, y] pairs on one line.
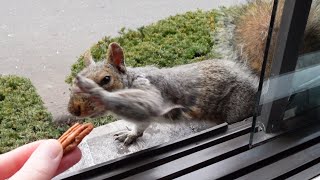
[[40, 39]]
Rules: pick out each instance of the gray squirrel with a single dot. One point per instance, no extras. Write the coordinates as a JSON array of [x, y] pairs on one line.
[[217, 90]]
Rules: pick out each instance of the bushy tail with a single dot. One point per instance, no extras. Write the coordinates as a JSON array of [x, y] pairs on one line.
[[251, 31], [312, 32]]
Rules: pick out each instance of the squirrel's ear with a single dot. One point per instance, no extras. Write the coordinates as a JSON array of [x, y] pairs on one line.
[[87, 58], [115, 57]]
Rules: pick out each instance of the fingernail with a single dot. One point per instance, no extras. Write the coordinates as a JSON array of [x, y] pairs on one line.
[[51, 148]]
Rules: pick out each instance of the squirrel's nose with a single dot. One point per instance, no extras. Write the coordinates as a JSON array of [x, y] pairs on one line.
[[77, 110], [74, 108]]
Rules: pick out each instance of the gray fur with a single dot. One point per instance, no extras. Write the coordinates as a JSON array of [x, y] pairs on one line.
[[223, 36], [218, 87]]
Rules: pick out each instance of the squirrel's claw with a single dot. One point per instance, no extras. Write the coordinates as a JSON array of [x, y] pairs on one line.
[[127, 137]]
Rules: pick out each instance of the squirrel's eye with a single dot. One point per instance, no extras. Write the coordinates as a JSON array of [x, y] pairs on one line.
[[105, 80]]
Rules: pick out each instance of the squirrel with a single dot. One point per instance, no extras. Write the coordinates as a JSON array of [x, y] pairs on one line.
[[218, 90]]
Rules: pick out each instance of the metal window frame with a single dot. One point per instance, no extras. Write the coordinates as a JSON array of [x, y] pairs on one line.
[[219, 153], [131, 164], [291, 31]]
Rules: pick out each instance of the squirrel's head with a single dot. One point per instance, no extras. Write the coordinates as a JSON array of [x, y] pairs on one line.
[[108, 74]]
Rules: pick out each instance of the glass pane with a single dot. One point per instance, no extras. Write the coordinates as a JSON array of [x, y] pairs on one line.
[[305, 84], [296, 93]]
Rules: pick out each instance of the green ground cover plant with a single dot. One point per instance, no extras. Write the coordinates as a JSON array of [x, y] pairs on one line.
[[23, 118]]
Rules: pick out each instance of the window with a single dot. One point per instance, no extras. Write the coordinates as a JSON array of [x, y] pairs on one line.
[[293, 86], [288, 104]]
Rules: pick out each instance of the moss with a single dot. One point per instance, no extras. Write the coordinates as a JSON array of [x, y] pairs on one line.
[[23, 118], [176, 40]]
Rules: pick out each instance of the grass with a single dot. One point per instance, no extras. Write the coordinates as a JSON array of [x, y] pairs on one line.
[[101, 120], [23, 118]]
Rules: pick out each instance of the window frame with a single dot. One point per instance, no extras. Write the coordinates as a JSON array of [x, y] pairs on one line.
[[290, 37], [294, 20]]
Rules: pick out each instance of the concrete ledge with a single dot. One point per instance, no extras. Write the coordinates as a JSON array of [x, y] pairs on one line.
[[100, 146]]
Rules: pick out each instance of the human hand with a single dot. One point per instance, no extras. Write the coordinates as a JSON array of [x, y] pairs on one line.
[[40, 160]]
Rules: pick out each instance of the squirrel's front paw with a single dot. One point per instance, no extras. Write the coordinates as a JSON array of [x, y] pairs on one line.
[[127, 136], [86, 85], [89, 86]]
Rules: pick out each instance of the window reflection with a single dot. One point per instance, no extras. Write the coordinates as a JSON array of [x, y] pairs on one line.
[[296, 92]]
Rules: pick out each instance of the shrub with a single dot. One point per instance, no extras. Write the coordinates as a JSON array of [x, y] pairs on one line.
[[176, 40]]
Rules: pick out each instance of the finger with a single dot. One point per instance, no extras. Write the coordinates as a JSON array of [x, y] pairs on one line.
[[69, 160], [43, 163], [12, 161]]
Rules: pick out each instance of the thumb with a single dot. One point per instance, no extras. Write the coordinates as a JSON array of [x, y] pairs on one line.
[[43, 163]]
